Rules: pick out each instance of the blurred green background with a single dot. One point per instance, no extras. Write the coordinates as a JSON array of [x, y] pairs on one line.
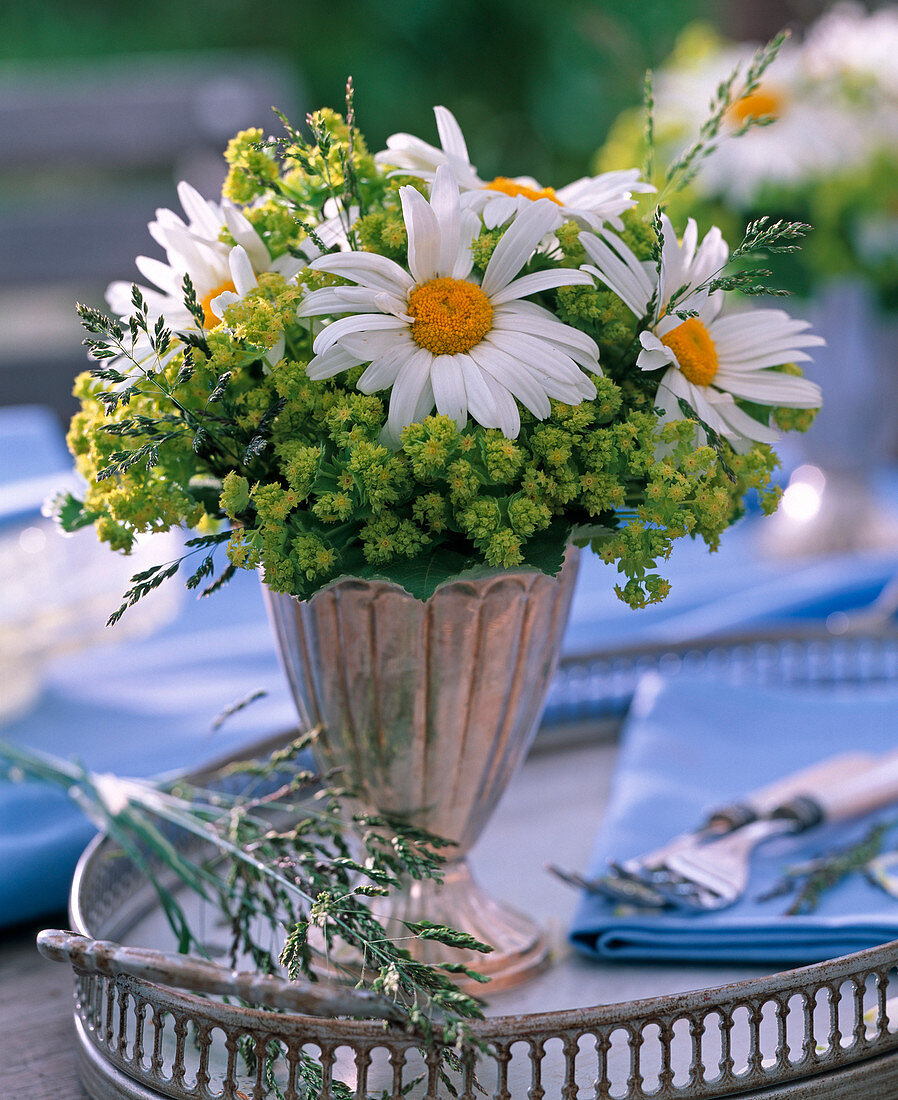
[[104, 106], [534, 84]]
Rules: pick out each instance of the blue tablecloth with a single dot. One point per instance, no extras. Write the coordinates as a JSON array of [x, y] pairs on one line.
[[689, 744], [141, 709], [143, 706]]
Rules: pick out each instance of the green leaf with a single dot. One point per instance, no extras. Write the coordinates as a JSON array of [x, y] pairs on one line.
[[70, 513], [545, 550]]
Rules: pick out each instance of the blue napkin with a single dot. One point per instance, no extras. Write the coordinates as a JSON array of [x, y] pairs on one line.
[[693, 742]]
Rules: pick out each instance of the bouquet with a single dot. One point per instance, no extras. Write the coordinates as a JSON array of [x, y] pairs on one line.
[[823, 144], [384, 366]]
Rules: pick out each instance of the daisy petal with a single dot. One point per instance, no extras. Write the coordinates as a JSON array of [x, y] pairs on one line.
[[498, 210], [245, 235], [276, 352], [698, 398], [451, 137], [445, 205], [510, 373], [619, 270], [203, 215], [654, 354], [425, 402], [538, 356], [771, 388], [367, 269], [479, 393], [423, 233], [220, 303], [411, 385], [541, 280], [508, 413], [331, 362], [381, 373], [372, 345], [163, 276], [448, 383], [287, 266], [740, 424], [540, 322], [517, 244], [339, 299], [359, 322], [242, 274], [469, 227]]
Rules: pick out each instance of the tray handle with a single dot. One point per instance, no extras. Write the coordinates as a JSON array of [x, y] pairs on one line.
[[187, 972]]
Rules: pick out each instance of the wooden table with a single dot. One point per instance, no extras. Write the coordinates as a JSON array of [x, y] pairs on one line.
[[37, 1051]]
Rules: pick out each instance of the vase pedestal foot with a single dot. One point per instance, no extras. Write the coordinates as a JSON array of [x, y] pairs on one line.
[[520, 947]]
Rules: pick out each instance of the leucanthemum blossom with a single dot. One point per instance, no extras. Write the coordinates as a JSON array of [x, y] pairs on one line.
[[221, 273], [590, 201], [435, 336], [712, 358]]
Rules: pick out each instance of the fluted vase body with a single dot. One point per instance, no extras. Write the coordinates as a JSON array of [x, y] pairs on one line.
[[428, 708]]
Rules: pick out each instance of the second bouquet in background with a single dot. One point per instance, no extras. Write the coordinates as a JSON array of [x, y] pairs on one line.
[[821, 145]]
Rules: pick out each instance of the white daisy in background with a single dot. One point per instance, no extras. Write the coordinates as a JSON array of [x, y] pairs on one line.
[[812, 136], [435, 336], [590, 201], [221, 273], [854, 43], [712, 358], [853, 52]]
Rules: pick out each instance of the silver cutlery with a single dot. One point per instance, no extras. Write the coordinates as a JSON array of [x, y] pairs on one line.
[[633, 881], [711, 876]]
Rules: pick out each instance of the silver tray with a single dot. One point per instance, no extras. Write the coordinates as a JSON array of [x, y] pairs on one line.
[[828, 1030]]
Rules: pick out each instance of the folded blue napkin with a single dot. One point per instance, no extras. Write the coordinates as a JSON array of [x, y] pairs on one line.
[[693, 742]]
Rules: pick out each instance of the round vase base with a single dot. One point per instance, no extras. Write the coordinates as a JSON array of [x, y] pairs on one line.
[[520, 948]]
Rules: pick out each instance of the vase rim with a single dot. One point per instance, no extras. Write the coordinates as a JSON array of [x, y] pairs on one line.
[[474, 578]]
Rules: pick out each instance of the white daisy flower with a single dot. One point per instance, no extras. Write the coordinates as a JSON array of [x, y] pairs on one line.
[[434, 336], [221, 273], [415, 157], [712, 358], [590, 201]]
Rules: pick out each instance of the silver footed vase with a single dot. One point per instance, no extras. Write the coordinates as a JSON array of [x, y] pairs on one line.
[[428, 708]]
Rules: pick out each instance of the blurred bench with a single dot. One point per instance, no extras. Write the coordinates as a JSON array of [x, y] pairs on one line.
[[89, 151]]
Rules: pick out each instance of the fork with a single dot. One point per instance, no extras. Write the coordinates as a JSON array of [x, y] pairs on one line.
[[632, 881], [713, 876]]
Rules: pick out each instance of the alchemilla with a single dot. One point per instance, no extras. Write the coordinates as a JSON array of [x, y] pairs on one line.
[[385, 366]]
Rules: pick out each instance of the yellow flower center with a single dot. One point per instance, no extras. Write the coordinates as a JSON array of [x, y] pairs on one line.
[[510, 187], [450, 315], [692, 345], [764, 103], [209, 318]]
